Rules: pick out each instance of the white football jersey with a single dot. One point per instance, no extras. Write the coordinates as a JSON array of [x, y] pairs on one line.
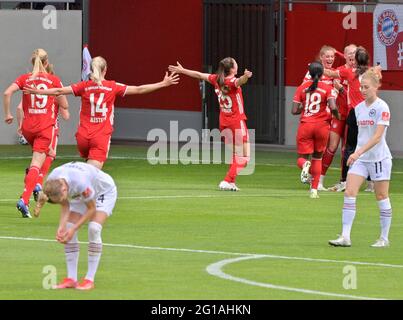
[[85, 181], [368, 118]]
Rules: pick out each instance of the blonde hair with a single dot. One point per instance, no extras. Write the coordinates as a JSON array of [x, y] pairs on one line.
[[374, 76], [52, 189], [39, 59], [98, 66], [326, 48], [351, 45]]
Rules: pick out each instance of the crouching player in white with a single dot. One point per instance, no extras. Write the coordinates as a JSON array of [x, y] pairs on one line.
[[84, 193], [371, 158]]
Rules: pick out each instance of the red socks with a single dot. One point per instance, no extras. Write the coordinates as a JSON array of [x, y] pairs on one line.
[[45, 169], [30, 182], [316, 167], [327, 160], [238, 163]]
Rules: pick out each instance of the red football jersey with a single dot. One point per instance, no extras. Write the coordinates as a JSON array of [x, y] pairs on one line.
[[314, 103], [40, 111], [354, 96], [231, 103], [341, 101], [97, 106]]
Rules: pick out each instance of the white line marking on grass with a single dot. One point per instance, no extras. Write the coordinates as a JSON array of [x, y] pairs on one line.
[[270, 256], [215, 269]]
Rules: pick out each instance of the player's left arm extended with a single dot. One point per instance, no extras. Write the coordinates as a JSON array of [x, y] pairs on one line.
[[380, 129], [168, 80], [244, 78], [49, 92], [331, 74]]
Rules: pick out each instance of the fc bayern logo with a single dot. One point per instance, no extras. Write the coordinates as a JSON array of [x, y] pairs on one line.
[[387, 27]]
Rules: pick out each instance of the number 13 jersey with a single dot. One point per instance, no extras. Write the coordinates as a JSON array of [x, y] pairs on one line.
[[314, 104], [97, 106]]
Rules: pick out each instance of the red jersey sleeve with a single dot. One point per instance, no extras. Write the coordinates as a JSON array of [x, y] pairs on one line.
[[346, 74], [297, 96], [57, 83], [20, 81], [212, 78], [78, 88], [120, 89]]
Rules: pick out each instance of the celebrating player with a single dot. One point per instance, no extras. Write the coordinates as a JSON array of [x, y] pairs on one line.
[[311, 100], [370, 158], [337, 127], [85, 193], [97, 105], [232, 116], [39, 124]]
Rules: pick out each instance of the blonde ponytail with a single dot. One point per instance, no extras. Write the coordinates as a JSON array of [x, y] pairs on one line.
[[98, 66], [42, 199], [39, 59]]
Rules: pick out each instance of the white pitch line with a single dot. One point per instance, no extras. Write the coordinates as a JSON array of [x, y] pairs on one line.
[[215, 269], [269, 256]]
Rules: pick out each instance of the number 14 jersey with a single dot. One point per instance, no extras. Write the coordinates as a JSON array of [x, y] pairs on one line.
[[314, 104], [97, 106]]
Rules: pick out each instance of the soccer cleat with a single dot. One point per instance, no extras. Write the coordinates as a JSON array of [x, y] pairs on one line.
[[23, 208], [321, 187], [340, 242], [227, 186], [37, 189], [67, 283], [305, 172], [338, 187], [234, 187], [314, 194], [85, 285], [370, 187], [380, 243]]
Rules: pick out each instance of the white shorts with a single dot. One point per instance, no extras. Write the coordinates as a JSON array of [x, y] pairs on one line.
[[377, 171], [105, 203]]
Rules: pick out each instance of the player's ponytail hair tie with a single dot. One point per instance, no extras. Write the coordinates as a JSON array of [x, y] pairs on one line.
[[98, 66], [39, 60], [224, 69], [316, 72]]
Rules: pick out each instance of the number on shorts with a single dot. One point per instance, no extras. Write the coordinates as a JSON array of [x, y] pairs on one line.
[[312, 104], [101, 198], [39, 100], [98, 107]]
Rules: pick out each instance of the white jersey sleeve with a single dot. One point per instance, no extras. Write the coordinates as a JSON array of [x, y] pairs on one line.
[[383, 116]]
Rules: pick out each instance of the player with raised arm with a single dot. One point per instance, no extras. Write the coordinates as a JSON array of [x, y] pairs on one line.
[[371, 158], [39, 123], [97, 108], [232, 115], [312, 100], [84, 193]]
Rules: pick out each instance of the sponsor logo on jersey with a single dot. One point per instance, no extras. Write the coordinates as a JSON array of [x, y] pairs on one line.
[[87, 193], [387, 27], [366, 122]]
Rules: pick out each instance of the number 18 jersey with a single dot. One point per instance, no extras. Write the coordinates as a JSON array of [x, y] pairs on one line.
[[97, 106], [314, 103]]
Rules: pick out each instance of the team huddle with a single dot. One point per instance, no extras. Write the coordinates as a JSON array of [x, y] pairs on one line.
[[82, 189], [342, 105]]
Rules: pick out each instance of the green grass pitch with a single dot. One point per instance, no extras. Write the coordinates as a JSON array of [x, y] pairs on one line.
[[171, 226]]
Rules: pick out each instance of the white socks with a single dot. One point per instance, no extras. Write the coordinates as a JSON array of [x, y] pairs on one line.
[[348, 215], [72, 251], [321, 179], [94, 249], [385, 211]]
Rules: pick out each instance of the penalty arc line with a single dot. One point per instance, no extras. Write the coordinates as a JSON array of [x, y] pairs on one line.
[[215, 269]]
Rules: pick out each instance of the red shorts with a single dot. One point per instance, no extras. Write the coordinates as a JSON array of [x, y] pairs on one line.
[[338, 126], [312, 137], [96, 148], [235, 133], [44, 141]]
